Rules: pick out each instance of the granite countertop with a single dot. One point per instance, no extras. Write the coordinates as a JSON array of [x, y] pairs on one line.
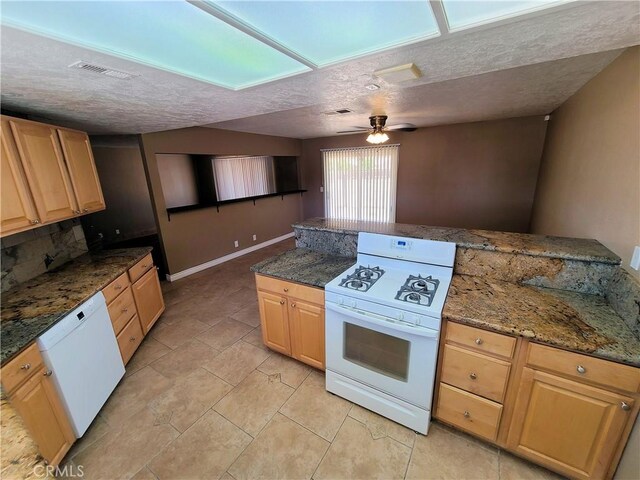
[[506, 242], [31, 308], [304, 266], [573, 321], [570, 320]]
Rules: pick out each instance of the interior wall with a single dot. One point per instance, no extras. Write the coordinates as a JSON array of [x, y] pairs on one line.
[[194, 237], [178, 179], [124, 186], [471, 175], [590, 175]]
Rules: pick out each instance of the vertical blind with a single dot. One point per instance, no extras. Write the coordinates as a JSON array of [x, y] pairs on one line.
[[237, 177], [360, 183]]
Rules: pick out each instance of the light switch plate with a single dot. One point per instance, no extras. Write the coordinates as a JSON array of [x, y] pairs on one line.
[[635, 259]]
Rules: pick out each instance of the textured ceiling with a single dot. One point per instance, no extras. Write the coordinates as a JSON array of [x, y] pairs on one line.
[[512, 68]]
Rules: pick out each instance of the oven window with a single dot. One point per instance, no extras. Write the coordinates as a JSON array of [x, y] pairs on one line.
[[377, 351]]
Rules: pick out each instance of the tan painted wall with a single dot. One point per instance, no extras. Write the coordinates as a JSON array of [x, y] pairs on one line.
[[472, 175], [590, 175], [195, 237]]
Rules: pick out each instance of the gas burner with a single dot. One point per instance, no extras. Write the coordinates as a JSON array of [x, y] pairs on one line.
[[418, 290], [362, 279]]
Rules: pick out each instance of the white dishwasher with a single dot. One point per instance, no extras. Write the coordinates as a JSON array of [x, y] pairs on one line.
[[82, 356]]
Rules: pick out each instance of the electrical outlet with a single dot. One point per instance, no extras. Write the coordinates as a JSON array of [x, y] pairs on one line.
[[635, 259], [236, 244], [117, 231], [255, 238], [321, 189]]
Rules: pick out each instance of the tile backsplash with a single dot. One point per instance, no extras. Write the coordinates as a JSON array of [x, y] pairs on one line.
[[28, 254]]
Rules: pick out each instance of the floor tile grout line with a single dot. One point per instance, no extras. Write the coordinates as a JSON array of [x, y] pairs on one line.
[[331, 443]]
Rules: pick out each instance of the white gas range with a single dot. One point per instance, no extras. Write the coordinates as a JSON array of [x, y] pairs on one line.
[[383, 325]]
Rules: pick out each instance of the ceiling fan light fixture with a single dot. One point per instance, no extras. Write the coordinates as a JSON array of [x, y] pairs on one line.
[[377, 135], [377, 138]]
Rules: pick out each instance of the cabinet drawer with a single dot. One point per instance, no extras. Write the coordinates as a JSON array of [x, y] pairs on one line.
[[584, 367], [475, 372], [116, 287], [121, 310], [129, 339], [20, 368], [482, 340], [290, 289], [469, 412], [140, 268]]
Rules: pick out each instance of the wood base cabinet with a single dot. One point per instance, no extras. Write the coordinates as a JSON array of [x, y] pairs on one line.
[[292, 319], [570, 427], [33, 395], [148, 296], [569, 412]]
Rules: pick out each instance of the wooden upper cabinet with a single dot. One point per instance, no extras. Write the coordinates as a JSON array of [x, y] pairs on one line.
[[45, 170], [18, 211], [567, 426], [148, 297], [82, 170]]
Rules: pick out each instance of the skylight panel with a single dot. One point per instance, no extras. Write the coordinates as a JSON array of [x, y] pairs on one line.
[[170, 35], [326, 32], [466, 13]]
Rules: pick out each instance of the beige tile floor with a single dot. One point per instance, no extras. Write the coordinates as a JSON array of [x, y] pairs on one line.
[[204, 399]]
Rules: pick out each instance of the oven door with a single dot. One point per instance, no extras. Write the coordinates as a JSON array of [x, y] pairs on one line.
[[395, 358]]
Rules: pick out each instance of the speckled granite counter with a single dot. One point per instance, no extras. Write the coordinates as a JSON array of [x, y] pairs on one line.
[[506, 242], [31, 308], [304, 266], [569, 320]]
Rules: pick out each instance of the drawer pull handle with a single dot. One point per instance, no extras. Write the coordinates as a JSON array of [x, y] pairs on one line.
[[625, 406], [281, 302], [286, 289], [26, 366], [466, 414], [47, 373], [473, 376], [132, 339], [581, 370]]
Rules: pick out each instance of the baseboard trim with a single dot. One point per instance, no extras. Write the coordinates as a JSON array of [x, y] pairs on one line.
[[226, 258]]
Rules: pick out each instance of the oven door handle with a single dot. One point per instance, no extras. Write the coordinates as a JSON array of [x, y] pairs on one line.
[[378, 320]]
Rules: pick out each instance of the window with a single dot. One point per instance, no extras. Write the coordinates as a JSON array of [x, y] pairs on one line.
[[238, 177], [360, 183]]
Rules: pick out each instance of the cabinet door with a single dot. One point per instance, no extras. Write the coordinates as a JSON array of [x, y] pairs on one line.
[[567, 426], [148, 296], [274, 322], [18, 212], [39, 406], [45, 169], [306, 322], [82, 170]]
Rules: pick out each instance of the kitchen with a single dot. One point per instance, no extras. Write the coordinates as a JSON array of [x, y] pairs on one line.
[[417, 258]]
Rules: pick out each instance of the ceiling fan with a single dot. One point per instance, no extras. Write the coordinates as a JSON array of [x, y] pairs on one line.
[[377, 129]]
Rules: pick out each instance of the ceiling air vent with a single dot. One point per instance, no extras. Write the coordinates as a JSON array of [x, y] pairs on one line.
[[109, 72], [342, 111]]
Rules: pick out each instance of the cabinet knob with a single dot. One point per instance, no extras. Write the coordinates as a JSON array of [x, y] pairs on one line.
[[132, 339], [85, 210], [293, 305], [581, 370], [478, 341], [47, 373], [118, 287], [466, 414], [281, 302], [144, 265], [26, 366], [77, 212], [286, 289], [473, 376], [125, 310], [625, 406], [35, 222]]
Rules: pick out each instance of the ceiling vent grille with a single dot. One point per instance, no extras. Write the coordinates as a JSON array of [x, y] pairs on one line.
[[109, 72], [342, 111]]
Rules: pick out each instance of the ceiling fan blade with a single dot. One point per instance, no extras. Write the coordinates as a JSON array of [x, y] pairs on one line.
[[356, 130], [402, 127]]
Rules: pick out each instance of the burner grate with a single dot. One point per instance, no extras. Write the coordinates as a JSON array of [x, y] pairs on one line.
[[418, 290], [362, 279]]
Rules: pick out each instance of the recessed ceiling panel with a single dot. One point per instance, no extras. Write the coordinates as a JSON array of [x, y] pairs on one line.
[[465, 13], [326, 32], [171, 35]]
